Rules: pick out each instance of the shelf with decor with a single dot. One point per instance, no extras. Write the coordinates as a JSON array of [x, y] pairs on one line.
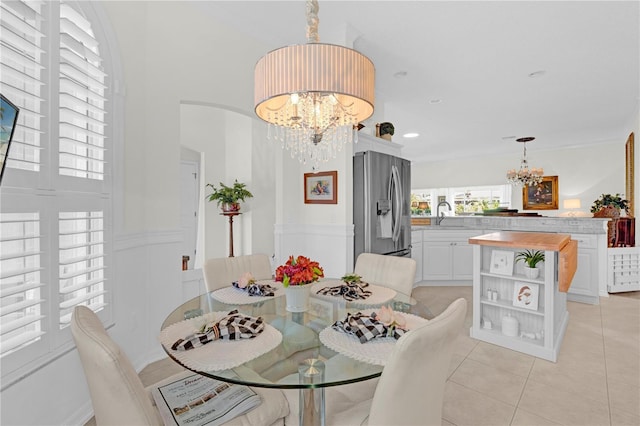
[[515, 311]]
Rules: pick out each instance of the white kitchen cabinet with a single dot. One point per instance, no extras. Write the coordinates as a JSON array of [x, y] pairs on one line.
[[584, 287], [539, 329], [447, 255], [416, 253]]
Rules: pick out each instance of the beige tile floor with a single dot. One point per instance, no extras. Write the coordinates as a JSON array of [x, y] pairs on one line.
[[596, 380]]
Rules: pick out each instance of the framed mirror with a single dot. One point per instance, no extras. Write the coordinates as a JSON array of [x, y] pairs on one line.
[[629, 175]]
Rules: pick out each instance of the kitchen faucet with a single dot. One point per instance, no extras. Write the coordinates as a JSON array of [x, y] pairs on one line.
[[438, 217]]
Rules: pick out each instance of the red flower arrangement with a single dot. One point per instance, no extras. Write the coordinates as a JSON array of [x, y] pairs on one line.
[[299, 271]]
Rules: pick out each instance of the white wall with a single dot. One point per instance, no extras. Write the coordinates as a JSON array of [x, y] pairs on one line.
[[171, 53], [583, 173]]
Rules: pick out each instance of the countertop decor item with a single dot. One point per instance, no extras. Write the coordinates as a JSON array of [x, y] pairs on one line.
[[229, 197], [312, 95], [609, 206]]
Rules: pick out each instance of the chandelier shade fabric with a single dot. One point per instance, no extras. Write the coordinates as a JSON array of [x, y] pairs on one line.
[[318, 68], [314, 95]]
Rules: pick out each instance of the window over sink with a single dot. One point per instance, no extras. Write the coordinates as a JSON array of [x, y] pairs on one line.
[[467, 200]]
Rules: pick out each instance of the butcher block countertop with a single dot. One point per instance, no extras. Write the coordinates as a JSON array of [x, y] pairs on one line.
[[568, 259], [527, 240]]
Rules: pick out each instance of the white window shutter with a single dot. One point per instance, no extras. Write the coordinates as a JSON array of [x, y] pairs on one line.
[[82, 101], [81, 245], [21, 298], [21, 41], [54, 215]]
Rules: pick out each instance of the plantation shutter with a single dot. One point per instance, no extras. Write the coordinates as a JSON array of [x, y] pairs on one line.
[[81, 244], [21, 297], [21, 72], [82, 100]]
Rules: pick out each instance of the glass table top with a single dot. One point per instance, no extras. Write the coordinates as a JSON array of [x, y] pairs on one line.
[[278, 368]]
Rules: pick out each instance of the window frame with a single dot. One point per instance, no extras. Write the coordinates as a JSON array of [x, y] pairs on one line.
[[49, 193]]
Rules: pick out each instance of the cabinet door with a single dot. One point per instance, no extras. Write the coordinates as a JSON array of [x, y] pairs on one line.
[[462, 259], [586, 274], [416, 254], [584, 287], [436, 260]]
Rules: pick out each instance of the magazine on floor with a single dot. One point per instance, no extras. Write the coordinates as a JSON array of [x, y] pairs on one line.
[[195, 400]]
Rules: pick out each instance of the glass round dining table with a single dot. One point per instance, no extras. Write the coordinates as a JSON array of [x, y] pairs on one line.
[[300, 360]]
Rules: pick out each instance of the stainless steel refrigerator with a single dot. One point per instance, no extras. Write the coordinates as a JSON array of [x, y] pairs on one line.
[[381, 204]]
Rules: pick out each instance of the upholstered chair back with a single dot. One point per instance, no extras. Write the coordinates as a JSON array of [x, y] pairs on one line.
[[411, 387], [389, 271], [221, 272], [117, 393]]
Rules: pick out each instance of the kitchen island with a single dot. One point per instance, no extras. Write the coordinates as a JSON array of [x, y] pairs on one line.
[[518, 311], [444, 255]]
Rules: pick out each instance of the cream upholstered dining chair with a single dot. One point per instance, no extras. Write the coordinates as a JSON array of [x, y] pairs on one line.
[[221, 272], [394, 272], [411, 388], [117, 393]]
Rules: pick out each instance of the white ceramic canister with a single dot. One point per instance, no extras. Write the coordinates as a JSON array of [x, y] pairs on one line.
[[510, 326]]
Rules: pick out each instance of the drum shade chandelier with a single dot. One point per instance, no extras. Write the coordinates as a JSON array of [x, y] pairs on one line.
[[525, 176], [314, 95]]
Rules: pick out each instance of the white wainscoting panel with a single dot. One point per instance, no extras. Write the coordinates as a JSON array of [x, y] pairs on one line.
[[329, 244]]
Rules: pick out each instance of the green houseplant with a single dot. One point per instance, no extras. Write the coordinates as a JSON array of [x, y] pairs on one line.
[[229, 197], [609, 206], [531, 258]]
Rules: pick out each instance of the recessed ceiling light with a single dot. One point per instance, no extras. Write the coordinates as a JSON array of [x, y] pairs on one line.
[[537, 74], [400, 74], [411, 135], [435, 101]]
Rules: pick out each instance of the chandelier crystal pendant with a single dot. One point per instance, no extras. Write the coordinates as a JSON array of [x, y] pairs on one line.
[[525, 176], [314, 95]]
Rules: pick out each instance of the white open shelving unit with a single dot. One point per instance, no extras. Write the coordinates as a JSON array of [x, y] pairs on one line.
[[549, 321]]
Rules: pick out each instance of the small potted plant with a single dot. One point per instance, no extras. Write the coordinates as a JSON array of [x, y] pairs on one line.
[[609, 206], [531, 258], [229, 197]]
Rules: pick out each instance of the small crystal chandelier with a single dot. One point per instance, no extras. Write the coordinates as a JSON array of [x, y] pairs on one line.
[[525, 176], [314, 95]]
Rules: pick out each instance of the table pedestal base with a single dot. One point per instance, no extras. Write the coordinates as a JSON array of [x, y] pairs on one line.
[[312, 407], [311, 399]]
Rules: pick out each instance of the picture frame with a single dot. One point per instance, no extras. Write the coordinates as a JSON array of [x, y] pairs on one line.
[[629, 174], [321, 188], [502, 262], [543, 196], [525, 295], [8, 123]]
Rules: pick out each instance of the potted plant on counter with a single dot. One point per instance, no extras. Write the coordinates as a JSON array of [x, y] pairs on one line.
[[229, 197], [609, 206], [531, 258]]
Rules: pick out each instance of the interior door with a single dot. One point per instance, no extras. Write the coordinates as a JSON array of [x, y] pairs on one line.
[[189, 196]]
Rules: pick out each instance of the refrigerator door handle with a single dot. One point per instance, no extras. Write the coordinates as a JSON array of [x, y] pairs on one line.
[[394, 182]]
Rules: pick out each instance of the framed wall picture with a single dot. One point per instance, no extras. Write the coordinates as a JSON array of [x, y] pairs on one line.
[[321, 188], [525, 295], [501, 262], [543, 196]]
